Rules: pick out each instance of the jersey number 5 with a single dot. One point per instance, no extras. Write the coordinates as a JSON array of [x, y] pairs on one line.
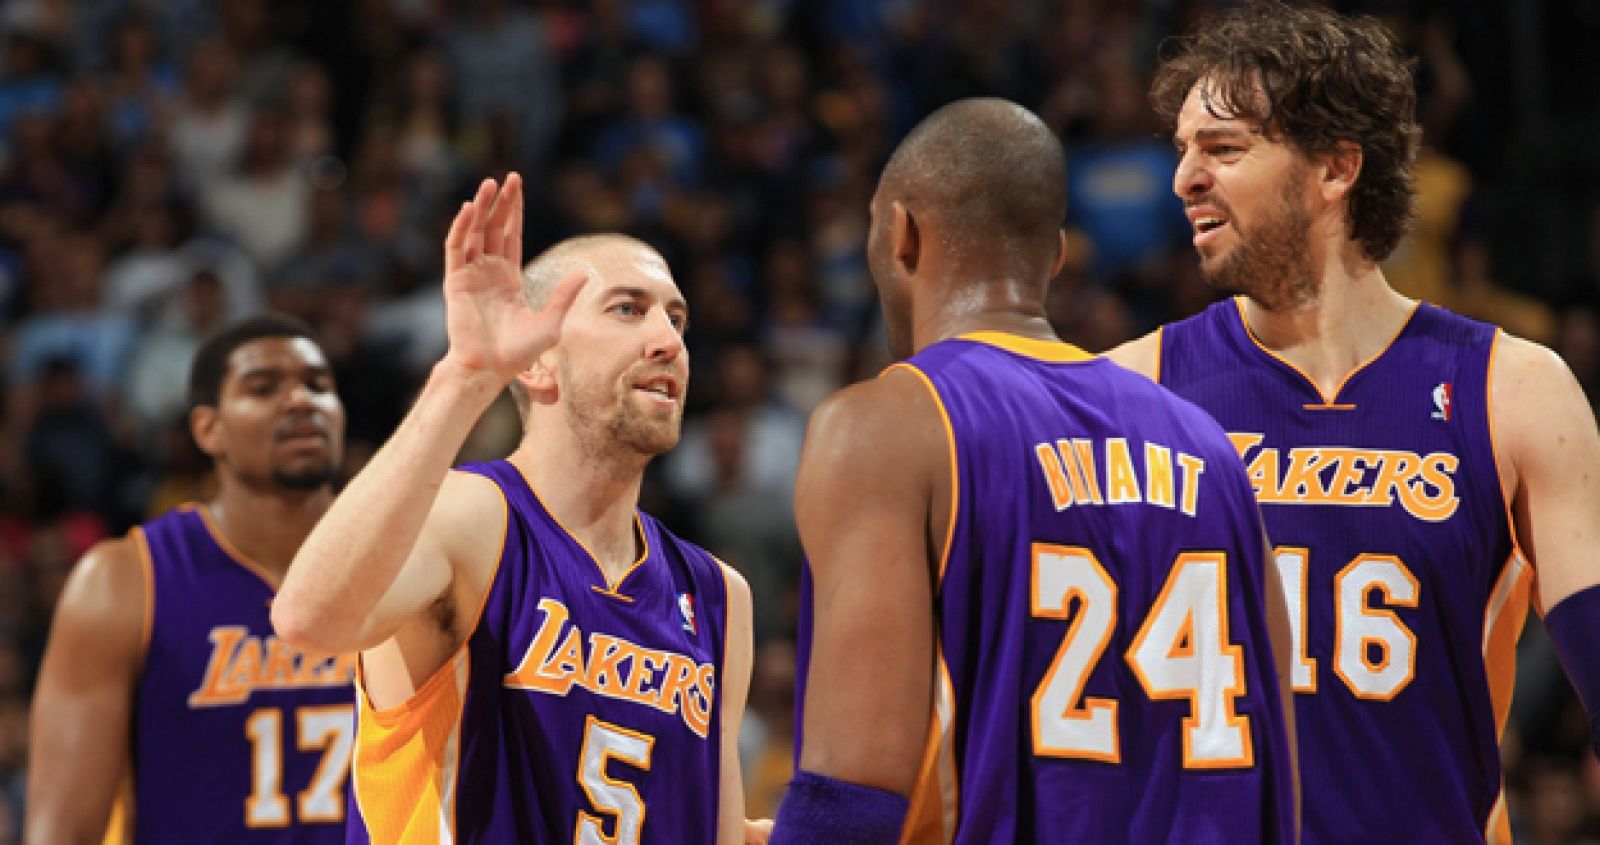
[[603, 742], [1180, 652]]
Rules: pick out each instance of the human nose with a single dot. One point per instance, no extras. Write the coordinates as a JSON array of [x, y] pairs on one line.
[[665, 342], [301, 395], [1191, 178]]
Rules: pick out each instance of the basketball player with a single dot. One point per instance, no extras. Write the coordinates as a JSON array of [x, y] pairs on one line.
[[162, 662], [541, 662], [1040, 583], [1416, 468]]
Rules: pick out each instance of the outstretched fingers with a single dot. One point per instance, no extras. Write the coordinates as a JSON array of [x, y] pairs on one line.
[[483, 204], [511, 247], [455, 241], [494, 223]]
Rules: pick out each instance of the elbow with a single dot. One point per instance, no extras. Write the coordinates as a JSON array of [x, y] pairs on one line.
[[299, 625]]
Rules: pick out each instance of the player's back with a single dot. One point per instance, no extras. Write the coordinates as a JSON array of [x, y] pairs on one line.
[[577, 711], [1104, 670], [237, 737], [1392, 536]]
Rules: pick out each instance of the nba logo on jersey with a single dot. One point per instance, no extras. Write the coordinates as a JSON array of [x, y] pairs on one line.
[[1441, 401], [686, 610]]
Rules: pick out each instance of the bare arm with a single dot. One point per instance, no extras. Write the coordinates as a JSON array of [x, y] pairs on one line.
[[387, 549], [1142, 355], [79, 734], [1548, 445], [735, 689], [863, 502]]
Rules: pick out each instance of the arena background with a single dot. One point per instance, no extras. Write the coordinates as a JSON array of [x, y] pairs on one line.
[[169, 165]]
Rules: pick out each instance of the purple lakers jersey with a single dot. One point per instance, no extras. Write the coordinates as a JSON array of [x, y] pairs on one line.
[[1103, 672], [237, 737], [577, 711], [1391, 533]]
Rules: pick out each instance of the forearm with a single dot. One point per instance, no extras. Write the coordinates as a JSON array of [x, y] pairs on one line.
[[357, 551], [46, 829]]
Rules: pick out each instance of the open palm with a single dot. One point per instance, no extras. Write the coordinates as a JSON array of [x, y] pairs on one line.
[[490, 326]]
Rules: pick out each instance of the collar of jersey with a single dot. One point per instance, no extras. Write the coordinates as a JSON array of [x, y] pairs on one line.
[[1031, 347]]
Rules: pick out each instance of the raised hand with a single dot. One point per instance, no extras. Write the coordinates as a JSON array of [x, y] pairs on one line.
[[491, 328]]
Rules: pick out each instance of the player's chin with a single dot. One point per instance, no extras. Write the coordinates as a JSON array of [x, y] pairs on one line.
[[657, 437], [306, 475]]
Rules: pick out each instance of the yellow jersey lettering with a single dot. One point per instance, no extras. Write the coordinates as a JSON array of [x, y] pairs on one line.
[[1074, 473], [1158, 475], [605, 665], [1422, 484], [614, 667], [1393, 469], [1437, 469], [1302, 481], [1122, 486], [1087, 469], [1350, 467], [1192, 467], [1263, 472], [1055, 476], [241, 664]]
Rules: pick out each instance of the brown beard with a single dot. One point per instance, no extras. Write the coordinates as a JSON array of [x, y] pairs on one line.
[[620, 431], [1272, 263]]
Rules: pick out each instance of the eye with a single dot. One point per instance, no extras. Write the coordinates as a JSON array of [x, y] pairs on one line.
[[679, 322], [625, 309], [320, 384]]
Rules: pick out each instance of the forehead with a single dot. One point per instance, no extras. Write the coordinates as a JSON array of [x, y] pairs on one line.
[[1203, 108], [629, 266], [274, 353]]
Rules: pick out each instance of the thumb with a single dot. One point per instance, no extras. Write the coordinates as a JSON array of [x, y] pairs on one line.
[[566, 292]]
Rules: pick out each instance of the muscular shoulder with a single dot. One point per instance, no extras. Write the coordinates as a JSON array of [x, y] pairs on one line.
[[468, 508], [1536, 405], [876, 423], [113, 572], [105, 598], [1142, 355]]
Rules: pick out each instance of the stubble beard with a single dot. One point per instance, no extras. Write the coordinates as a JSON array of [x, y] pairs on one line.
[[622, 435], [1273, 263], [307, 480]]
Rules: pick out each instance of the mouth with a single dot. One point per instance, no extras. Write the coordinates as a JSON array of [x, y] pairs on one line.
[[1207, 226], [662, 389], [303, 437]]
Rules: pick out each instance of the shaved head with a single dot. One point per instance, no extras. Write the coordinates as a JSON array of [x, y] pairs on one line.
[[540, 275], [990, 172]]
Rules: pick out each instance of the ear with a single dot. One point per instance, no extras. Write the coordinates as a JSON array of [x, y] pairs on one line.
[[539, 380], [1061, 253], [1340, 170], [905, 237], [206, 428]]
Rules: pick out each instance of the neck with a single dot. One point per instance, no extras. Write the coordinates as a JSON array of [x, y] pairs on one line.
[[1353, 318], [962, 305], [593, 497], [266, 525]]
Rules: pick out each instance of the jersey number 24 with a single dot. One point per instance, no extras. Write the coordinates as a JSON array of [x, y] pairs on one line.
[[1181, 652]]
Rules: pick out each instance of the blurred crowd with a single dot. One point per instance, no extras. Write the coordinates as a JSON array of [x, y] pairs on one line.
[[166, 167]]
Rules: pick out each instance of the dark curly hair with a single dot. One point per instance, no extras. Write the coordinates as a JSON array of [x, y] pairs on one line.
[[1317, 79]]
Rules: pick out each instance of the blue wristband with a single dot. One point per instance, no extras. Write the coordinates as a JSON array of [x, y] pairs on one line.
[[1574, 626], [818, 808]]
